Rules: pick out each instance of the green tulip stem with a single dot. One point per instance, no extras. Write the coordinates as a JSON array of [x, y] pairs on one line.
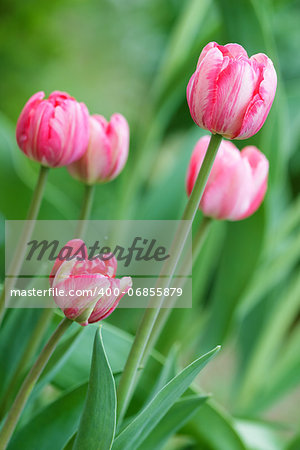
[[128, 377], [18, 258], [29, 383], [45, 318], [165, 312], [85, 210]]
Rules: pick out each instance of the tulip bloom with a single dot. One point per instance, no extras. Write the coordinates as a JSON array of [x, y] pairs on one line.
[[237, 183], [91, 291], [107, 151], [229, 93], [53, 131]]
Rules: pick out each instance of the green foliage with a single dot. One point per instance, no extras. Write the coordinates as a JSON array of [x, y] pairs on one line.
[[137, 431], [176, 418], [55, 423], [136, 58], [98, 421]]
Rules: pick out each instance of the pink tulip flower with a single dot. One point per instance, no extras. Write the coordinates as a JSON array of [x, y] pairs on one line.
[[237, 183], [53, 131], [90, 290], [107, 151], [229, 93]]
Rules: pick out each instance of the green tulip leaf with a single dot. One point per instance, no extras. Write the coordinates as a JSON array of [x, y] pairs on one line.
[[55, 423], [178, 416], [98, 421], [142, 425]]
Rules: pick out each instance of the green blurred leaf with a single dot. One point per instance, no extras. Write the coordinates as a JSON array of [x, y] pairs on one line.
[[213, 428], [294, 444], [76, 369], [259, 435], [70, 443], [268, 341], [53, 425], [59, 357], [184, 35], [289, 221], [168, 372], [14, 336], [240, 255], [179, 415], [285, 373], [270, 274], [98, 421], [137, 431]]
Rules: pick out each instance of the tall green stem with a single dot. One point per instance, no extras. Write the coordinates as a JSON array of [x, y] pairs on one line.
[[29, 383], [128, 377], [85, 210], [17, 261], [164, 313]]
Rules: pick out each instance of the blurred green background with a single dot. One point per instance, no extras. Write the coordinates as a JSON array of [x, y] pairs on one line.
[[135, 57]]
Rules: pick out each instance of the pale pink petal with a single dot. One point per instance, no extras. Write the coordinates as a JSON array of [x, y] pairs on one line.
[[75, 245], [205, 50], [81, 292], [202, 88], [39, 134], [237, 183], [53, 131], [233, 50], [106, 302], [118, 134], [106, 264], [260, 169], [56, 97], [228, 190], [235, 88], [107, 150], [96, 161], [25, 119], [106, 306], [262, 100], [230, 93]]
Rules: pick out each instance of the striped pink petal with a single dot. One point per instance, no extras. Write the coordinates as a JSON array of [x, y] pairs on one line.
[[237, 183], [230, 93]]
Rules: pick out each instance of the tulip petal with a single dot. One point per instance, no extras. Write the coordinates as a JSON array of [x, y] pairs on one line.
[[237, 183], [105, 264], [25, 119], [53, 131], [202, 88], [80, 293], [235, 86], [233, 50], [227, 192], [118, 134], [76, 245], [262, 100], [106, 306], [260, 168]]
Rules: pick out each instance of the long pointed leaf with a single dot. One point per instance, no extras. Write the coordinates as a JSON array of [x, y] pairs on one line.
[[178, 416], [137, 431], [98, 421]]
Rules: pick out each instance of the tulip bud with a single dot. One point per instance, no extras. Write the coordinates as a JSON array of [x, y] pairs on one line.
[[53, 131], [91, 291], [107, 151], [237, 183], [229, 93]]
